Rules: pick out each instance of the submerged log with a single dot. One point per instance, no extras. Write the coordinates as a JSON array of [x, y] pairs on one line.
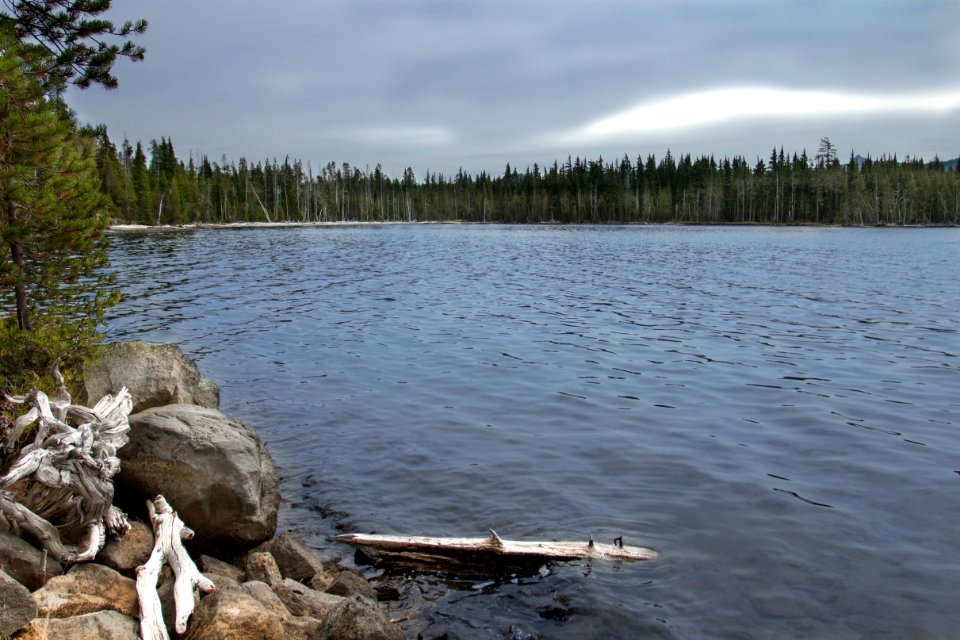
[[169, 531], [472, 553], [60, 487]]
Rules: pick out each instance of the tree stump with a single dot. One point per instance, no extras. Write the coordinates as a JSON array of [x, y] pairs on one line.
[[60, 487]]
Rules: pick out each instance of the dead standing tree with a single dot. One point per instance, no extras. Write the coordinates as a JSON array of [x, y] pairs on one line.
[[60, 488]]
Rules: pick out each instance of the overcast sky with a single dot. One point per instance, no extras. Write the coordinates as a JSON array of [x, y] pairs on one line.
[[441, 84]]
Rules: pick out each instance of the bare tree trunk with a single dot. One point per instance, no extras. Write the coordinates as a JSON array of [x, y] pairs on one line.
[[260, 202], [490, 552], [19, 289]]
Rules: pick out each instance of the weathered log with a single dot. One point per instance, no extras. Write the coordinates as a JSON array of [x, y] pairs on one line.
[[168, 531], [470, 552], [61, 484]]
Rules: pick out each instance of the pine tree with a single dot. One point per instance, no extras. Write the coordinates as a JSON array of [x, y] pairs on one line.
[[143, 194], [72, 38], [52, 247]]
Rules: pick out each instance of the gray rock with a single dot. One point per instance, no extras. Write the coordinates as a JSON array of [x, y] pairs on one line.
[[25, 563], [100, 625], [261, 566], [301, 628], [263, 594], [387, 591], [301, 600], [127, 553], [84, 589], [155, 374], [357, 618], [321, 580], [213, 470], [224, 583], [296, 560], [348, 583], [17, 607], [233, 615], [209, 564]]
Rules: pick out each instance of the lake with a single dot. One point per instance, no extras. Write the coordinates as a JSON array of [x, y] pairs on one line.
[[775, 410]]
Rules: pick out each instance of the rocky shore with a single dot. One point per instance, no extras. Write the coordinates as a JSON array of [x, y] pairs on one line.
[[217, 474]]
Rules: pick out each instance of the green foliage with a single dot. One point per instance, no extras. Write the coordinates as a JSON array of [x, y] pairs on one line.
[[73, 39], [786, 189], [52, 219]]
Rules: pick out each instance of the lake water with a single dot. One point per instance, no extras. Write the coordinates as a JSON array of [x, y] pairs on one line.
[[776, 411]]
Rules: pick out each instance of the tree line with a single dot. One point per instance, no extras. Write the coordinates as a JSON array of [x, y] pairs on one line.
[[152, 186]]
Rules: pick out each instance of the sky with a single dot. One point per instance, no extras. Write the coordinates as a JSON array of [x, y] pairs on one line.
[[439, 85]]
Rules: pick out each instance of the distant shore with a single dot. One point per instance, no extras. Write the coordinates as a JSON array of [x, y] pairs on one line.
[[144, 228], [140, 228]]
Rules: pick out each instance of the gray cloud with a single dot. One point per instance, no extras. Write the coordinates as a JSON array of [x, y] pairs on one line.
[[438, 85]]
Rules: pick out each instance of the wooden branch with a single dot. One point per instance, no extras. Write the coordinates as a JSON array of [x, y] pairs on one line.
[[23, 519], [492, 549], [96, 538], [116, 522], [168, 530]]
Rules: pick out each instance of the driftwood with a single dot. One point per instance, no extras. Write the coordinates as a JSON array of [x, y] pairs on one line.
[[60, 488], [168, 531], [485, 554]]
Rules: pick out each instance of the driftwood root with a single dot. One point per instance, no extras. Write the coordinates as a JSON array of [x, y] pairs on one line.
[[60, 487], [169, 530]]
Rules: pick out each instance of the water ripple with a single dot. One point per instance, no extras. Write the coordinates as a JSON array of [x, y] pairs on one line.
[[775, 410]]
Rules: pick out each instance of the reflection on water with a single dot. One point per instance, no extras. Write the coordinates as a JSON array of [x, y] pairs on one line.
[[775, 410]]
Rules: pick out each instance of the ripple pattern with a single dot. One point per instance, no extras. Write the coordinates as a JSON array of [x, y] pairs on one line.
[[776, 410]]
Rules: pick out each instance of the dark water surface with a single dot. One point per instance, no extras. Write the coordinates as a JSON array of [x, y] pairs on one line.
[[777, 411]]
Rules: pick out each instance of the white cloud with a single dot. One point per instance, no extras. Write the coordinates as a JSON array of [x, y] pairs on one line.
[[692, 110]]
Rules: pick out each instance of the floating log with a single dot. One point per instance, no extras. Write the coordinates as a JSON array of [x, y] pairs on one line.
[[60, 487], [168, 530], [461, 553]]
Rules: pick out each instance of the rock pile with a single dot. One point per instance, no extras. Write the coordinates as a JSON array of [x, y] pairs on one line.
[[215, 471]]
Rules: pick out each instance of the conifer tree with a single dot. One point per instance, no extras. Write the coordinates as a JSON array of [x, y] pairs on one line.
[[73, 37], [52, 247]]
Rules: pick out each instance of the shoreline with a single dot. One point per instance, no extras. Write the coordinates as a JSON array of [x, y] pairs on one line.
[[196, 226]]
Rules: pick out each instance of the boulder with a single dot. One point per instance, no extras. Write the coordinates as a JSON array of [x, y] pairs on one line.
[[387, 591], [348, 583], [224, 583], [156, 374], [301, 600], [210, 565], [261, 566], [17, 607], [25, 563], [321, 580], [130, 551], [84, 589], [357, 618], [233, 615], [301, 628], [213, 470], [263, 594], [99, 625], [295, 559]]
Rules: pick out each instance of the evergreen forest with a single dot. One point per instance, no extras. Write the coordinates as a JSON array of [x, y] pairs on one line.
[[152, 187]]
